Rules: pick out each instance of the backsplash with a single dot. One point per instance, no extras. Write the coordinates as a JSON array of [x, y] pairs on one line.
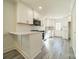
[[23, 28]]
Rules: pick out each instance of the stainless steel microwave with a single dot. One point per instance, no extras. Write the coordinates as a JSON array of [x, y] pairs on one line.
[[36, 22]]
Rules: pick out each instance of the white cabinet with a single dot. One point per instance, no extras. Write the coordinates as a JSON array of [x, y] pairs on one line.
[[28, 44], [24, 14], [32, 44], [35, 44], [18, 42], [36, 15]]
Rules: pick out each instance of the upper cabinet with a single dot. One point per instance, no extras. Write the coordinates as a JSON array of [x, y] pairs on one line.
[[36, 15], [24, 14]]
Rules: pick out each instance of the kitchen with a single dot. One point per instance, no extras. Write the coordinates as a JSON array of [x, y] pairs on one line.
[[25, 28]]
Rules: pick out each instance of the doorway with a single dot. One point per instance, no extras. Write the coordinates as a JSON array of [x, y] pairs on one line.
[[69, 30]]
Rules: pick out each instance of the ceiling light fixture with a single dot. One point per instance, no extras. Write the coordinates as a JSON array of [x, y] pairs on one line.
[[40, 8]]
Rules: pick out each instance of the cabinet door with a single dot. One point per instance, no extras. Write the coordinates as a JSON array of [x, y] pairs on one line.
[[35, 43], [18, 42], [30, 21], [36, 15], [30, 16], [25, 44], [21, 14], [24, 13]]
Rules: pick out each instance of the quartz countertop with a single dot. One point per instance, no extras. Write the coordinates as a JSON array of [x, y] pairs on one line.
[[23, 33]]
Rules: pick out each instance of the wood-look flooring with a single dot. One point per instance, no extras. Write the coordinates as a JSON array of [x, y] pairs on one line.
[[56, 48], [53, 48], [13, 54]]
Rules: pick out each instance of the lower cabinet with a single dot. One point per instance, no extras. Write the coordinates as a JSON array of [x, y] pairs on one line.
[[18, 42], [35, 44], [26, 45], [31, 45]]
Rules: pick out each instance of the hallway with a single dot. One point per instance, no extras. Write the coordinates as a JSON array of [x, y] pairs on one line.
[[56, 48]]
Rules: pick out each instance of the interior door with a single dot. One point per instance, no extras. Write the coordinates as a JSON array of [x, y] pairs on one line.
[[58, 30]]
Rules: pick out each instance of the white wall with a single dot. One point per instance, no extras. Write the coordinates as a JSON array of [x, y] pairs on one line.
[[73, 30], [9, 24]]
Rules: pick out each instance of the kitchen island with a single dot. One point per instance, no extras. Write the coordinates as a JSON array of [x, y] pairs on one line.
[[29, 44]]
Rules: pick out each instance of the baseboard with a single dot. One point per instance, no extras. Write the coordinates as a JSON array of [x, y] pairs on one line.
[[36, 54], [26, 56], [7, 50], [22, 53]]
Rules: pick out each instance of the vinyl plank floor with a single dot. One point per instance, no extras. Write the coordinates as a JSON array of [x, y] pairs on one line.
[[56, 48], [53, 48], [14, 54]]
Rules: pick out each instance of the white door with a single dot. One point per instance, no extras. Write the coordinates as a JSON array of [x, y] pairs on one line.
[[58, 30]]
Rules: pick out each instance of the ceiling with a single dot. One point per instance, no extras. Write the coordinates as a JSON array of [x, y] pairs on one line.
[[55, 8]]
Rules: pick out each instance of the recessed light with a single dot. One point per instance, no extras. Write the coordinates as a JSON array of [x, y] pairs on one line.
[[40, 7]]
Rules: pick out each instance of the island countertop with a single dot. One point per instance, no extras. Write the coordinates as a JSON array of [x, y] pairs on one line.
[[23, 33]]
